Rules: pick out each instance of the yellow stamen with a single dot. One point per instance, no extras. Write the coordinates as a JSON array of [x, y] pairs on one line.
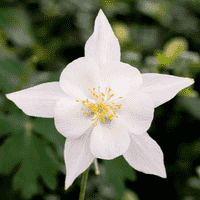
[[102, 109], [97, 172]]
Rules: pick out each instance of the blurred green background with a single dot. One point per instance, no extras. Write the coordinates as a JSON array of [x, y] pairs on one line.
[[38, 38]]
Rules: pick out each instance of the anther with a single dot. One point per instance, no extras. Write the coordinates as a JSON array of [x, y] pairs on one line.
[[102, 108]]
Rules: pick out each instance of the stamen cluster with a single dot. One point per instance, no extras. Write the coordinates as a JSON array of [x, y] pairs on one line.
[[102, 108]]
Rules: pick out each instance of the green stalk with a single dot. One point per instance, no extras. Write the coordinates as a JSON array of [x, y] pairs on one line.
[[83, 185]]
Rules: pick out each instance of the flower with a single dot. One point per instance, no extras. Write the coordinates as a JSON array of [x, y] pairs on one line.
[[103, 106]]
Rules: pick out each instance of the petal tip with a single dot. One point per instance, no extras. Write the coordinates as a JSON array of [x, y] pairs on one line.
[[66, 187], [163, 174], [11, 96], [192, 81], [101, 15], [101, 12], [8, 96]]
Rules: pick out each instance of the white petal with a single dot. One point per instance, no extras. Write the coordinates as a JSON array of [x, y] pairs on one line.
[[103, 45], [78, 157], [162, 87], [38, 101], [78, 76], [145, 155], [136, 112], [122, 78], [109, 141], [69, 118]]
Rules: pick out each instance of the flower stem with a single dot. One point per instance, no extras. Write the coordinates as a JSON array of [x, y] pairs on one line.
[[83, 185]]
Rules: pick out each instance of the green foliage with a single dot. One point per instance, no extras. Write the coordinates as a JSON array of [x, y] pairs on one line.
[[47, 128], [172, 51], [10, 73], [32, 37], [117, 170], [129, 195], [191, 105], [34, 156], [16, 24]]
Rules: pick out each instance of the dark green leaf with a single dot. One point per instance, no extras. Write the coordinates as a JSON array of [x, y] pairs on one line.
[[117, 170]]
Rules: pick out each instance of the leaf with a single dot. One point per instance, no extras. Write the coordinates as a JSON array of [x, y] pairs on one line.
[[26, 179], [175, 47], [130, 195], [117, 170], [5, 51], [122, 32], [191, 105], [16, 24], [36, 159], [10, 73], [45, 162], [9, 154], [47, 128], [194, 69], [194, 182], [172, 50], [163, 59], [11, 123], [188, 92]]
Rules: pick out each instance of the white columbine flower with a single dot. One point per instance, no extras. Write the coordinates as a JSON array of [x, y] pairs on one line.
[[103, 106]]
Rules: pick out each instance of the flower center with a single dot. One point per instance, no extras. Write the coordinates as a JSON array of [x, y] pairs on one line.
[[103, 108]]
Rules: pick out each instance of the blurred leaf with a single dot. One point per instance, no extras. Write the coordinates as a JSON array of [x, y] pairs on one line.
[[55, 76], [149, 38], [17, 75], [9, 154], [10, 73], [5, 51], [151, 65], [107, 3], [11, 123], [117, 170], [136, 44], [175, 47], [122, 32], [51, 8], [132, 58], [160, 10], [47, 128], [129, 195], [194, 69], [198, 170], [163, 59], [35, 157], [172, 50], [188, 92], [110, 8], [192, 56], [191, 105], [85, 5], [16, 24], [194, 182]]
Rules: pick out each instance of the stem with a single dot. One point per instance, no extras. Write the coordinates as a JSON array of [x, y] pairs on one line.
[[83, 185]]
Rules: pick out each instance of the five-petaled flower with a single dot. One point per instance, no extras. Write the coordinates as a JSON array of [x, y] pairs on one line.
[[103, 106]]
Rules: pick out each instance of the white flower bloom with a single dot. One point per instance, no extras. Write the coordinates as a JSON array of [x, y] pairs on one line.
[[103, 106]]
